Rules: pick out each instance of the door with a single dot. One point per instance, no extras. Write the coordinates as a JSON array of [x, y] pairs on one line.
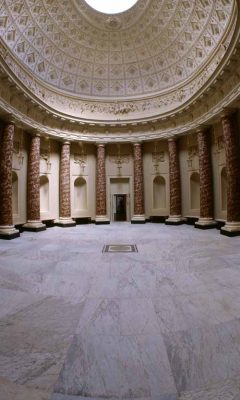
[[120, 209]]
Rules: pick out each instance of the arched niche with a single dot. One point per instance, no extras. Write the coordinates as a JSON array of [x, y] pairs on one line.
[[224, 189], [159, 192], [195, 191], [44, 193], [14, 192], [80, 194]]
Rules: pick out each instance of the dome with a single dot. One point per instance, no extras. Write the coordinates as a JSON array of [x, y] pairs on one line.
[[146, 63], [151, 48]]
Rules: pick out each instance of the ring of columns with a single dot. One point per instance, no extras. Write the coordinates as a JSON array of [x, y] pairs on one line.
[[172, 151]]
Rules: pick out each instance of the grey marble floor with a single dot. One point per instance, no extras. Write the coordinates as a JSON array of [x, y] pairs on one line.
[[159, 324]]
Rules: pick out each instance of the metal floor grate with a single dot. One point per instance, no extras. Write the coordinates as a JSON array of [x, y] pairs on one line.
[[120, 248]]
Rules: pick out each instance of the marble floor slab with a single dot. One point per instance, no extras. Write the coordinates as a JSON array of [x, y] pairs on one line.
[[159, 324]]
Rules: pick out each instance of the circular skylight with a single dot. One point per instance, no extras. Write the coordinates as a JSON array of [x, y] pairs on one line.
[[111, 6]]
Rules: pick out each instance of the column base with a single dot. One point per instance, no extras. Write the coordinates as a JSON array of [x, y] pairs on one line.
[[102, 220], [205, 223], [138, 219], [231, 229], [174, 220], [34, 226], [9, 232], [65, 222]]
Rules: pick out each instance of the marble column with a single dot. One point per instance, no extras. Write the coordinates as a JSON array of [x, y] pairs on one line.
[[101, 203], [231, 143], [175, 217], [65, 219], [7, 229], [206, 220], [138, 215], [34, 223]]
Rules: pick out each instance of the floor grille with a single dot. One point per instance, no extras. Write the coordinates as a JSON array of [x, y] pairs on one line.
[[120, 248]]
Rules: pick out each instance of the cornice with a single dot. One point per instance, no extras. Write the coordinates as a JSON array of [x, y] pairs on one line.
[[221, 97]]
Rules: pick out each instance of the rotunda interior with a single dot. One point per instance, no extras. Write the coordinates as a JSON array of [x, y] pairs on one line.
[[129, 117]]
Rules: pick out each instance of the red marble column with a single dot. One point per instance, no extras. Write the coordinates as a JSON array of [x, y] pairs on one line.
[[34, 223], [65, 219], [231, 142], [7, 230], [101, 203], [175, 217], [206, 184], [139, 216]]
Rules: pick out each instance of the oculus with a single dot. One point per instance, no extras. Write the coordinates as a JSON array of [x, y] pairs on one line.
[[111, 6]]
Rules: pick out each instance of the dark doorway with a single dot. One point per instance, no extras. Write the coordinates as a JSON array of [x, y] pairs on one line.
[[121, 207]]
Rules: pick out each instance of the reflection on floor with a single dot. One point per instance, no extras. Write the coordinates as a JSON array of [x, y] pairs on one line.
[[162, 323]]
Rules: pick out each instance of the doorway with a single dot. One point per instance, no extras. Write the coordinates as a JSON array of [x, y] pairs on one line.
[[119, 199], [120, 207]]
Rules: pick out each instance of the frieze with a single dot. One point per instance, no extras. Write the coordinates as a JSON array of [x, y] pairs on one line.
[[164, 130]]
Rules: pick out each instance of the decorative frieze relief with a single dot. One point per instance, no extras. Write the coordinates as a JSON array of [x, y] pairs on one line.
[[157, 158], [18, 152], [81, 157], [193, 156], [119, 159], [45, 154]]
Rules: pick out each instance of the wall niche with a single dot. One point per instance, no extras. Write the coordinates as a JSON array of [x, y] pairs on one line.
[[224, 189], [14, 192], [195, 191], [44, 193], [159, 192], [80, 194]]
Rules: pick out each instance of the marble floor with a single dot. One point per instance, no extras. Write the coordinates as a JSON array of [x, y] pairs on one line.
[[162, 323]]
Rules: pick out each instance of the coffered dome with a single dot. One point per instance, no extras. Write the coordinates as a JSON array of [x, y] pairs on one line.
[[153, 47]]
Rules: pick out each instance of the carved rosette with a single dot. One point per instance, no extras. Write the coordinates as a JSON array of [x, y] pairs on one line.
[[205, 172], [138, 182], [230, 134], [175, 179], [101, 182], [6, 153]]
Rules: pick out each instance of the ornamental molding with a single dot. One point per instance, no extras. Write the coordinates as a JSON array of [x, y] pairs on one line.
[[204, 114], [118, 111]]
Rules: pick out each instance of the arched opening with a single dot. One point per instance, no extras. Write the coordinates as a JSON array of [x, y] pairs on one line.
[[44, 193], [159, 192], [195, 190], [224, 189], [80, 194], [14, 192]]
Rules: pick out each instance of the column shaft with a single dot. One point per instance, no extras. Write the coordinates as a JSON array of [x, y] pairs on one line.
[[65, 219], [139, 216], [206, 184], [101, 203], [7, 230], [230, 134], [175, 217], [34, 223]]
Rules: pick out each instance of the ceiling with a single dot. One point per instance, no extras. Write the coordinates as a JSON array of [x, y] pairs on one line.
[[151, 48], [158, 70]]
